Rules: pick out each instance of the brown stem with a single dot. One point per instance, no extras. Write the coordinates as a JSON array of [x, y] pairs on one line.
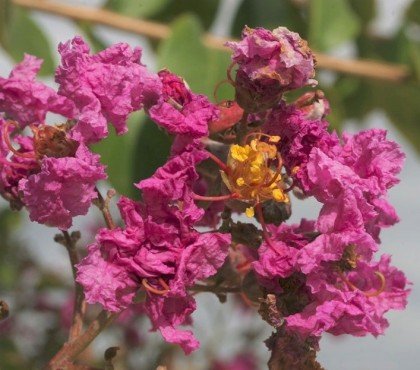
[[363, 68], [71, 350], [103, 205], [79, 308]]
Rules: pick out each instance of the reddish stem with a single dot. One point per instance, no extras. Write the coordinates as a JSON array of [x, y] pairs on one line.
[[260, 217], [216, 160], [6, 139], [216, 198]]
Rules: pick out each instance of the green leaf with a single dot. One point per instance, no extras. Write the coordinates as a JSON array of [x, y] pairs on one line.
[[390, 49], [4, 16], [413, 12], [205, 10], [399, 49], [402, 107], [138, 8], [269, 14], [150, 152], [22, 35], [117, 153], [95, 41], [365, 9], [331, 22], [218, 62], [358, 100], [183, 52], [414, 58]]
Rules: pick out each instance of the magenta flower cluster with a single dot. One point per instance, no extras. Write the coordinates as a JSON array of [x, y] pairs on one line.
[[323, 273]]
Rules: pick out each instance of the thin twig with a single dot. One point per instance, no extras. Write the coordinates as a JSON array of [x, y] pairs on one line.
[[79, 308], [158, 31], [103, 205], [71, 350]]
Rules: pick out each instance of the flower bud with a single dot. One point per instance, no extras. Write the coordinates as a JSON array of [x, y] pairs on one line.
[[269, 64]]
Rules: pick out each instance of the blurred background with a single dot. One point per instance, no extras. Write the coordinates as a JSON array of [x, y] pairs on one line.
[[35, 276]]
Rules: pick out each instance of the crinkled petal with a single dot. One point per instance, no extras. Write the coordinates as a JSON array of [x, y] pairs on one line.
[[104, 282], [105, 87], [26, 100], [167, 313], [64, 188]]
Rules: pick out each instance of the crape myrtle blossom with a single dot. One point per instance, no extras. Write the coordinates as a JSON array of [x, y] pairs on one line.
[[269, 64], [273, 264], [105, 87], [162, 257], [26, 100], [51, 175], [300, 130], [354, 191], [328, 283], [14, 167], [158, 250], [173, 183], [349, 175], [317, 276], [179, 110], [340, 289], [63, 188], [351, 302]]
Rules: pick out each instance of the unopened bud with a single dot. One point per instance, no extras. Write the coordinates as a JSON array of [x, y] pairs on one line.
[[276, 212]]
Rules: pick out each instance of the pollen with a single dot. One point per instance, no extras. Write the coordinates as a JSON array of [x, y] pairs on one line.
[[250, 212], [254, 172]]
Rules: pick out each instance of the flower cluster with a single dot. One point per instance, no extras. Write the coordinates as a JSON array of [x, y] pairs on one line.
[[247, 156]]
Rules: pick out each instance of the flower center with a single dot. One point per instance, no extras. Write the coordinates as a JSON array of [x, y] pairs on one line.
[[52, 141], [250, 174]]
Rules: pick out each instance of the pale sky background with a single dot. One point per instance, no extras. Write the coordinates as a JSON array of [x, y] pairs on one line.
[[399, 348]]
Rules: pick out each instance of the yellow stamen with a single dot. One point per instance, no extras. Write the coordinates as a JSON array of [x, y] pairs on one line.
[[250, 212], [251, 174], [240, 181]]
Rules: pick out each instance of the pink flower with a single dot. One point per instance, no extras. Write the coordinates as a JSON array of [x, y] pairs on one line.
[[332, 247], [162, 256], [279, 259], [269, 64], [179, 110], [105, 282], [14, 166], [352, 303], [171, 184], [354, 191], [63, 188], [374, 158], [105, 87], [26, 100], [198, 261], [299, 136]]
